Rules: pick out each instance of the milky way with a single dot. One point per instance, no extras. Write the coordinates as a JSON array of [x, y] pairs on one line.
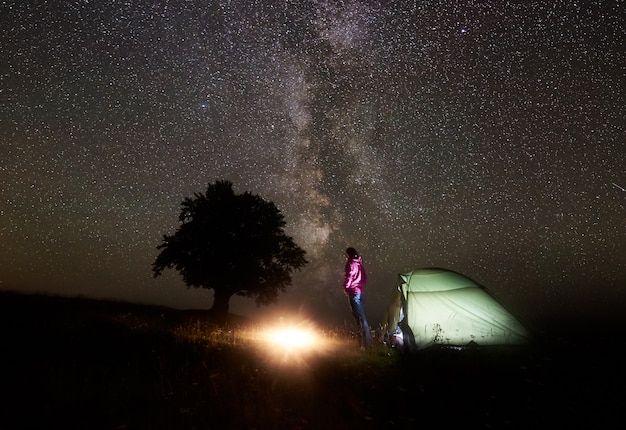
[[486, 137]]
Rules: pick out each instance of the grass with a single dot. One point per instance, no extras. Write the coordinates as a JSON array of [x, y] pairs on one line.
[[86, 364]]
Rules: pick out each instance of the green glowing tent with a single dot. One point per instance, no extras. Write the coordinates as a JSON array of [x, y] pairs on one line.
[[440, 307]]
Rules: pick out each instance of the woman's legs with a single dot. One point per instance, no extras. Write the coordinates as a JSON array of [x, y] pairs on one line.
[[358, 312]]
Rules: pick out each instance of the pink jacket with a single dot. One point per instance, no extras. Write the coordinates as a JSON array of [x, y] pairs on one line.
[[355, 276]]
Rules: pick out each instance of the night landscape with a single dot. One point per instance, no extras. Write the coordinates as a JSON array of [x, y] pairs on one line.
[[78, 363], [180, 180]]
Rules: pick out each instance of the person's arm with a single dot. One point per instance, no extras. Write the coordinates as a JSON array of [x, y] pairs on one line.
[[350, 273]]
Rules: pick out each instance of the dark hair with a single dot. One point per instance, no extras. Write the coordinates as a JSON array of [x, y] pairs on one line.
[[352, 253]]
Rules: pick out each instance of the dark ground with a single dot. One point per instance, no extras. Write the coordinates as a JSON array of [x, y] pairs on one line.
[[83, 364]]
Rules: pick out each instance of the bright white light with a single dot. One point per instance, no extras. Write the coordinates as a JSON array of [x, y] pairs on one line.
[[290, 343], [293, 338]]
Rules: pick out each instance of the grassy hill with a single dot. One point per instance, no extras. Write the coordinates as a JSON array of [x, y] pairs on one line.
[[88, 364]]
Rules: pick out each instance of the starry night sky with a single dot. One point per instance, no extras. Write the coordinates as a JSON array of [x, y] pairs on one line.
[[486, 137]]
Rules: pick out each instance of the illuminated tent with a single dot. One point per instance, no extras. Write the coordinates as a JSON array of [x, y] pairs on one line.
[[440, 307]]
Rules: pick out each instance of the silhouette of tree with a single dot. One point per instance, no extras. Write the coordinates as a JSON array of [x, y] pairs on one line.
[[232, 243]]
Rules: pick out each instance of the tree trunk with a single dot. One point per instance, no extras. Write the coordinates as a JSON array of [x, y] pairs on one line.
[[221, 300]]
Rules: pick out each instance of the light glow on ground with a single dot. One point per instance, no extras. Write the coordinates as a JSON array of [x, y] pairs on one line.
[[288, 342], [292, 337]]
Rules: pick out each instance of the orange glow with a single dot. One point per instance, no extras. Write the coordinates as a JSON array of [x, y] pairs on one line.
[[292, 338], [289, 343]]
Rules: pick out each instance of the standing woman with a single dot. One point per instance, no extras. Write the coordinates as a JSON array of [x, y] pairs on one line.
[[354, 282]]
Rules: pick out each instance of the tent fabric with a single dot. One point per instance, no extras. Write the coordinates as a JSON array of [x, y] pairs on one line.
[[437, 306]]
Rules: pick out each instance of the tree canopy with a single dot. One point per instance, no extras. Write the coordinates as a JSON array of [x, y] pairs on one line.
[[232, 243]]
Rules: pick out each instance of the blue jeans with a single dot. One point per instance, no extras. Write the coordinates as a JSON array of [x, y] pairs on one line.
[[358, 312]]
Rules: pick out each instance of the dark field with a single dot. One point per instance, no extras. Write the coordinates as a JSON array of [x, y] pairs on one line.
[[83, 364]]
